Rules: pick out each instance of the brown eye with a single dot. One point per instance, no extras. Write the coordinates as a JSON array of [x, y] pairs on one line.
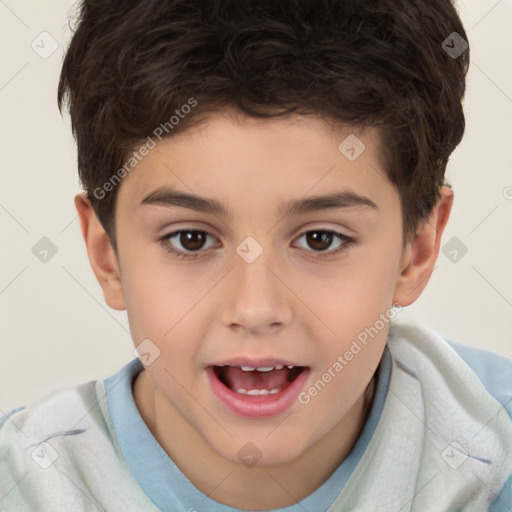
[[192, 240], [186, 242], [319, 240]]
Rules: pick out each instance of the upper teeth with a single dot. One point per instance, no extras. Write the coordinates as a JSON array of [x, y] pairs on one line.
[[263, 368]]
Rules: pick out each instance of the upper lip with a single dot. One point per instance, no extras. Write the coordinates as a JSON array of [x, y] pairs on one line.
[[255, 363]]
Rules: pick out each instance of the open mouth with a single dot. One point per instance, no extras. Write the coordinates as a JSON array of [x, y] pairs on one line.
[[265, 380]]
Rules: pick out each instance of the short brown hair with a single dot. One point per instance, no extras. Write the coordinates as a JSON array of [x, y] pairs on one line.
[[380, 63]]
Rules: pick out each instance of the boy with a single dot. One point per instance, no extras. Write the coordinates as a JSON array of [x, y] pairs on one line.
[[264, 193]]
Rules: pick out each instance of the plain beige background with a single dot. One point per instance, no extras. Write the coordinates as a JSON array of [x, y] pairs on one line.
[[56, 329]]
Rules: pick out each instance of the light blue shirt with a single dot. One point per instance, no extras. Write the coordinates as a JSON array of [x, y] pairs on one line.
[[167, 487], [89, 444]]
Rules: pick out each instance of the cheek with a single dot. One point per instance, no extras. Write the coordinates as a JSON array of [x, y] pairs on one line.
[[159, 297], [345, 370], [354, 304], [167, 307], [353, 295]]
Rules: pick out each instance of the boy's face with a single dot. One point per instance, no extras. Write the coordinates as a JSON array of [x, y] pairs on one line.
[[290, 304]]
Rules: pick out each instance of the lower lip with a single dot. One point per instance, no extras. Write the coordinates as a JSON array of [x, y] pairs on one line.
[[257, 406]]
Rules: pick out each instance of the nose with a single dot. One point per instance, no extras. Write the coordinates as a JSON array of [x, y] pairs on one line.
[[258, 300]]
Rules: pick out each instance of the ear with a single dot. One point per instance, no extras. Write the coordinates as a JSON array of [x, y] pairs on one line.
[[101, 254], [420, 254]]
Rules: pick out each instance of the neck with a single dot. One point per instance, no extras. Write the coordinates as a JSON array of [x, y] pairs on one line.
[[250, 488]]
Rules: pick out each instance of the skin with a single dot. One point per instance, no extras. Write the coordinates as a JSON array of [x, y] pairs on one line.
[[289, 303]]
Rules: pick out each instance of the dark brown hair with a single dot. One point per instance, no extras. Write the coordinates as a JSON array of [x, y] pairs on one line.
[[133, 64]]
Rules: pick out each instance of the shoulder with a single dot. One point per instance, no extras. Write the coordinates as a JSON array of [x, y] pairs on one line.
[[42, 442], [61, 453], [495, 373], [453, 359], [493, 370], [48, 413]]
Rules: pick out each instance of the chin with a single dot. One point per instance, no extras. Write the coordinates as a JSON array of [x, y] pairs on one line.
[[254, 451]]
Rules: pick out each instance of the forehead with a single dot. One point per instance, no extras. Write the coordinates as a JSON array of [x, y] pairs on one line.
[[238, 159]]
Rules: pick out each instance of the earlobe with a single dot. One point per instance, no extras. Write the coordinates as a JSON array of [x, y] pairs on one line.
[[421, 252], [101, 254]]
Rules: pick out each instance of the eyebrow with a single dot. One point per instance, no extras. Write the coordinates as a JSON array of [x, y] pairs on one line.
[[167, 196]]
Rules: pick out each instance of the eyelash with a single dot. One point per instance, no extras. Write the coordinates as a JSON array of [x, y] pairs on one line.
[[348, 243]]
